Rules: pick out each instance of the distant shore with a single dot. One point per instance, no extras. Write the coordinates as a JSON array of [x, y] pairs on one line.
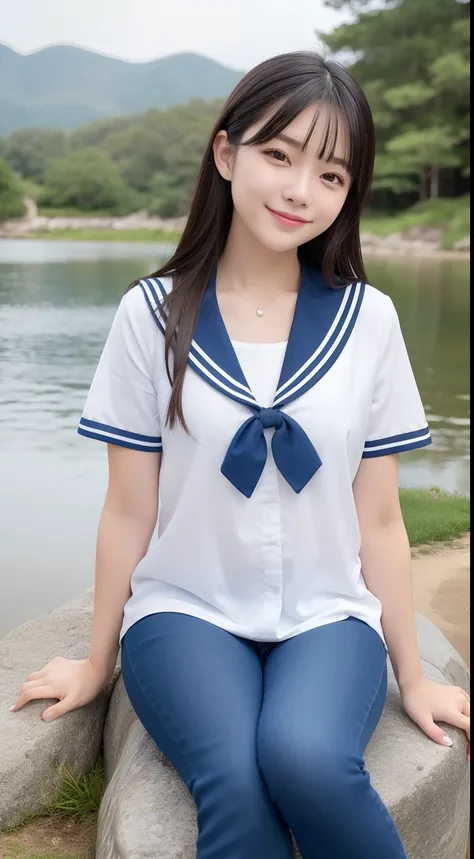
[[404, 249], [102, 235], [424, 231]]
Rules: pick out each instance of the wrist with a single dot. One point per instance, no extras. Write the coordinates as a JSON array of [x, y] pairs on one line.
[[406, 683], [104, 669]]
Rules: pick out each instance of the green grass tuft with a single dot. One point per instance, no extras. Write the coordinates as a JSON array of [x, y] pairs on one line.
[[451, 215], [103, 235], [431, 515], [77, 798], [78, 795]]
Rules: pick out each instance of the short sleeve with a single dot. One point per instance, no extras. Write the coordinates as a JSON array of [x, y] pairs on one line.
[[122, 404], [397, 420]]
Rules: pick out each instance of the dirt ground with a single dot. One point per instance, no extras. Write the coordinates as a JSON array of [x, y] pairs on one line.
[[51, 839], [441, 592]]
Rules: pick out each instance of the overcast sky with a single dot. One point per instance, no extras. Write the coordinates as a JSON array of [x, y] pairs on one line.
[[238, 33]]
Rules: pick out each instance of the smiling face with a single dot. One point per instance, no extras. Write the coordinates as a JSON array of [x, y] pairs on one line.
[[284, 194]]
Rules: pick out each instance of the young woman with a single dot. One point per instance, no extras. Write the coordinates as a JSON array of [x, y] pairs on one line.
[[255, 393]]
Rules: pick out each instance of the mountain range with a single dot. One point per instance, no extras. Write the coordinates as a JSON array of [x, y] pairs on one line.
[[65, 86]]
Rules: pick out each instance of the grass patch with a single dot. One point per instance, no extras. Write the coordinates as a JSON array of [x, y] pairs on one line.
[[79, 795], [99, 235], [77, 798], [459, 228], [431, 515], [71, 212], [451, 215], [66, 826]]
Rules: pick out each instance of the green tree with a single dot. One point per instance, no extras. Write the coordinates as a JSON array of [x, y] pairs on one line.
[[138, 153], [11, 193], [168, 198], [88, 180], [31, 150], [412, 59], [98, 132]]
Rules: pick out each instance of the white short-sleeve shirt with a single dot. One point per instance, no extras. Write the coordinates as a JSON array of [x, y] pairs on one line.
[[257, 529]]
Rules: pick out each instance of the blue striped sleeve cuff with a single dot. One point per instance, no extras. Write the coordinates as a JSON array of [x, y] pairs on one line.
[[114, 435], [397, 443]]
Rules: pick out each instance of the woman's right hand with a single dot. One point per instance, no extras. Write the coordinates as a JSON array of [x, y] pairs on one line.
[[75, 682]]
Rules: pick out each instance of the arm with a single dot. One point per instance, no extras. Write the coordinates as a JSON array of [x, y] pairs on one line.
[[125, 528], [386, 567], [386, 562]]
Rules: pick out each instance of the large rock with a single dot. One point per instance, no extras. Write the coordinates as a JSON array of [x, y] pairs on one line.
[[148, 813], [32, 749]]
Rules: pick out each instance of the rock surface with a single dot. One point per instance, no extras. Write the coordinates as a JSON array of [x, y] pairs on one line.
[[32, 223], [30, 747], [148, 813], [415, 242]]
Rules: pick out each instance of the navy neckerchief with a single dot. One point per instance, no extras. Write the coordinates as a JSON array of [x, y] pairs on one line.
[[322, 324]]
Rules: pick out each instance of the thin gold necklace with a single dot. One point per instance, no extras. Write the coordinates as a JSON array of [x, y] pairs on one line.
[[260, 311]]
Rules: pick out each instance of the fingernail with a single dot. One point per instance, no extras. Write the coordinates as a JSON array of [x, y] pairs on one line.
[[447, 741], [47, 717], [10, 709]]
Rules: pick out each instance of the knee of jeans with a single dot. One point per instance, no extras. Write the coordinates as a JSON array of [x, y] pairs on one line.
[[320, 770], [236, 777]]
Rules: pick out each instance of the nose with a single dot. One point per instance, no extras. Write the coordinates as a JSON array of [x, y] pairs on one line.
[[298, 189]]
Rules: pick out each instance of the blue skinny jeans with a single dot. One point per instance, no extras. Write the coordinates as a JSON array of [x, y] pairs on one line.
[[268, 737]]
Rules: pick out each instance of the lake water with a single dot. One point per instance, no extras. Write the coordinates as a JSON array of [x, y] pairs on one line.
[[57, 300]]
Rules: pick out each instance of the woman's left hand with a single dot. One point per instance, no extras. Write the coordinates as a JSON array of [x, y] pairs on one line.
[[427, 700]]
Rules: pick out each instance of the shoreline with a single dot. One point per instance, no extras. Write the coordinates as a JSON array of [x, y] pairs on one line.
[[403, 251]]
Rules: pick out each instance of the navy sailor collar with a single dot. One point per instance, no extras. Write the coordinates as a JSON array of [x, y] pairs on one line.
[[322, 324], [323, 321]]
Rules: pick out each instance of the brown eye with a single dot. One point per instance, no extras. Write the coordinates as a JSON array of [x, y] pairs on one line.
[[276, 154], [333, 176]]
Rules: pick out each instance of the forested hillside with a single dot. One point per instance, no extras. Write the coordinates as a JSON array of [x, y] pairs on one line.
[[411, 57]]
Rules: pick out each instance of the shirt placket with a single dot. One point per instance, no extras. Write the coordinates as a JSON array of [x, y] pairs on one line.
[[271, 547]]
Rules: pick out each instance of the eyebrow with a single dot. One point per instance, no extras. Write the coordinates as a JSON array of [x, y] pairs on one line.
[[334, 160]]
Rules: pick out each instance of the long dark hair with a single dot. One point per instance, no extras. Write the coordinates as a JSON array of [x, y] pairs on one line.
[[290, 83]]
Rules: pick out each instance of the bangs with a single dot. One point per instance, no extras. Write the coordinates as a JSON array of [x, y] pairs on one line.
[[336, 117]]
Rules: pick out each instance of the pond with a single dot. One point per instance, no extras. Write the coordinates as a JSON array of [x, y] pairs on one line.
[[57, 300]]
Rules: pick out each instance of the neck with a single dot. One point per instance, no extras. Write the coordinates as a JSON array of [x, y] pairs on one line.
[[248, 267]]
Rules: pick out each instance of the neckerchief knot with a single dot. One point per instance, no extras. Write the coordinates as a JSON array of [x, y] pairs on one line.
[[270, 418], [293, 452]]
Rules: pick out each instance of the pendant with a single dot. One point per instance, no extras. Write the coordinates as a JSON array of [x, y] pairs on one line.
[[259, 312]]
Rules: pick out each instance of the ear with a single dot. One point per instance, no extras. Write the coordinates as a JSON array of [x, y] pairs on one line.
[[223, 154]]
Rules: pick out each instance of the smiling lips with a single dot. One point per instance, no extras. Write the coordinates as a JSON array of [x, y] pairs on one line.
[[287, 220]]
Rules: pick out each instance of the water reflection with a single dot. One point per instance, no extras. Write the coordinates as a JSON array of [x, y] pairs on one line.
[[432, 298], [56, 309]]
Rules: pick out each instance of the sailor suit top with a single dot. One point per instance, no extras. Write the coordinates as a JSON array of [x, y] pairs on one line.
[[257, 530]]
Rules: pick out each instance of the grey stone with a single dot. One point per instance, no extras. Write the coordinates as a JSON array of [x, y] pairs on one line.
[[148, 813], [425, 234], [32, 222], [370, 239], [30, 747]]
